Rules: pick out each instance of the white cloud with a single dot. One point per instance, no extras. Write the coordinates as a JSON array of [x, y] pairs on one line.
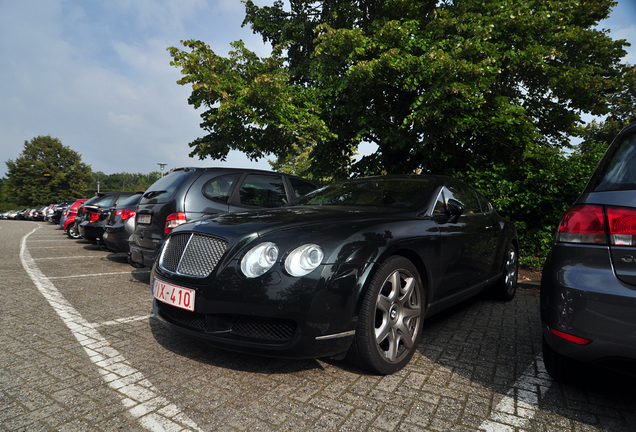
[[97, 76]]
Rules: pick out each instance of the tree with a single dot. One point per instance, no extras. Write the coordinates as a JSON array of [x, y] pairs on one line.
[[46, 172], [435, 84]]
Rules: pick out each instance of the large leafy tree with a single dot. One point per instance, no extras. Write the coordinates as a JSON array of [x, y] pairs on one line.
[[435, 84], [46, 172]]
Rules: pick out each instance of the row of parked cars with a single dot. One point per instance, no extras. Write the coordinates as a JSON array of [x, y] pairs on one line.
[[137, 223], [267, 263], [50, 212]]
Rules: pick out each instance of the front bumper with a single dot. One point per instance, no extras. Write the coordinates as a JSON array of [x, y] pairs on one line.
[[274, 315], [581, 296]]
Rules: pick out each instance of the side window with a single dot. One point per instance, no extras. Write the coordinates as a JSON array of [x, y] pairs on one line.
[[263, 190], [464, 195], [486, 206], [301, 187], [219, 188]]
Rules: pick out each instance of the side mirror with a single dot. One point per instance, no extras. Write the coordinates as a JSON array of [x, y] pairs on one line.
[[454, 209]]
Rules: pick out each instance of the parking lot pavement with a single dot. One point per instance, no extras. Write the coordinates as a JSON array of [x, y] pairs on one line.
[[80, 351]]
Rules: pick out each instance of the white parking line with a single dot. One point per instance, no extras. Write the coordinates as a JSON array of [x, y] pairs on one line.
[[517, 412], [90, 275], [141, 400], [121, 321], [69, 257]]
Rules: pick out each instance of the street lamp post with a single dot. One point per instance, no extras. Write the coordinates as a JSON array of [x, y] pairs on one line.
[[162, 166]]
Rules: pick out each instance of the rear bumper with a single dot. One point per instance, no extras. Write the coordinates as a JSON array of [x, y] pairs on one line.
[[581, 296], [116, 242], [142, 256], [91, 232]]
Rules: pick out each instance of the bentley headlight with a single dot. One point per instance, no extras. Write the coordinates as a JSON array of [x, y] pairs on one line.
[[304, 259], [259, 259]]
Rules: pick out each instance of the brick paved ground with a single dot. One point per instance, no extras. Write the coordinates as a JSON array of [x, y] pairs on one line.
[[80, 352]]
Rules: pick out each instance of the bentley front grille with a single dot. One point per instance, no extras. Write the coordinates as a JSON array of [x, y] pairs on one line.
[[191, 254]]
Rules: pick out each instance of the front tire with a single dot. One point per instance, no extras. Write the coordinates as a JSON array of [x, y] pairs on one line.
[[390, 320], [73, 232], [506, 288]]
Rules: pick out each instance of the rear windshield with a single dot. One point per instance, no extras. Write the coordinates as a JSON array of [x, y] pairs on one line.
[[92, 200], [130, 201], [105, 201], [616, 170], [164, 189], [401, 192]]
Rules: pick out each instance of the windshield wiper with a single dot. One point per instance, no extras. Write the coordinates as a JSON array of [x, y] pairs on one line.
[[151, 194]]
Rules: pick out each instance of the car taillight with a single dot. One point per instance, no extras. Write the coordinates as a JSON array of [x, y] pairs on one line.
[[93, 217], [622, 226], [583, 224], [174, 220], [125, 214], [586, 224]]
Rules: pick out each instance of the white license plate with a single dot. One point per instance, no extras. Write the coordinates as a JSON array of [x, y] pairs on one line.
[[173, 295], [145, 219]]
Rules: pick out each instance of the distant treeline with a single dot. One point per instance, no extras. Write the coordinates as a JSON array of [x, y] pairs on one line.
[[121, 181]]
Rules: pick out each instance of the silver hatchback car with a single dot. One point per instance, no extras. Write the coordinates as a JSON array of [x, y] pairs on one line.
[[588, 288]]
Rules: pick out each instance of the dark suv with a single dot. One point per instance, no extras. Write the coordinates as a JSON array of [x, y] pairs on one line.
[[187, 194], [588, 287]]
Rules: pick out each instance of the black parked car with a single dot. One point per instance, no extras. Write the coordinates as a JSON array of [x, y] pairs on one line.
[[187, 194], [120, 224], [96, 213], [58, 209], [352, 268], [588, 287]]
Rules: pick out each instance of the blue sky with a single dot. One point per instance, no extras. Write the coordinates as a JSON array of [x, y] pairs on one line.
[[96, 75]]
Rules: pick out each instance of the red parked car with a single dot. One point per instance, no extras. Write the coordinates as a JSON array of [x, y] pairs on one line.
[[71, 212]]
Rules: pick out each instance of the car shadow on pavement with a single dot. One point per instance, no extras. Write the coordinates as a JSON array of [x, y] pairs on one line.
[[497, 345], [121, 258], [141, 275]]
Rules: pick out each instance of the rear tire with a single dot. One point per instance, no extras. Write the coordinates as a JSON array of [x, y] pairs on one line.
[[390, 320], [506, 288], [560, 367]]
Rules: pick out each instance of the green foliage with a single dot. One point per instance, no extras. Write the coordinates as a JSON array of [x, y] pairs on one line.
[[5, 205], [122, 181], [436, 85], [45, 172]]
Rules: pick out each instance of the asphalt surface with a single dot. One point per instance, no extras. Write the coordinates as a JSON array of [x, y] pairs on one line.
[[80, 351]]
